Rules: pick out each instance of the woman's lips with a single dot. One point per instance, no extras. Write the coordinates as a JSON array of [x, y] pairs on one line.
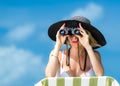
[[75, 41]]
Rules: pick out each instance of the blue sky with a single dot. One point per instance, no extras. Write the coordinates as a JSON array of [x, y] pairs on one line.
[[25, 45]]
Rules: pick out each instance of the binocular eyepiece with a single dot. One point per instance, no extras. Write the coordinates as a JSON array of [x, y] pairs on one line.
[[70, 31]]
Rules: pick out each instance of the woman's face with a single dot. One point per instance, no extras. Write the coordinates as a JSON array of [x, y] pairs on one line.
[[73, 40]]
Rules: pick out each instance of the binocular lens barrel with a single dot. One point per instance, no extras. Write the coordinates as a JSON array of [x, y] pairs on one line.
[[69, 31], [77, 32], [62, 32]]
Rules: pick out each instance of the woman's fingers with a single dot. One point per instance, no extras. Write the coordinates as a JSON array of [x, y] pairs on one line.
[[60, 38], [82, 31], [62, 27], [81, 28]]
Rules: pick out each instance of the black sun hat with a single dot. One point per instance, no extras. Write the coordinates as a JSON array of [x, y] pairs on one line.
[[74, 23]]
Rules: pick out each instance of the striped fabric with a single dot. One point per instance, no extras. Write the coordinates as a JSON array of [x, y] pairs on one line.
[[78, 81]]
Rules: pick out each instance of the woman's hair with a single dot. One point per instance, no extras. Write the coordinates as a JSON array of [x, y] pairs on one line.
[[67, 53], [92, 41]]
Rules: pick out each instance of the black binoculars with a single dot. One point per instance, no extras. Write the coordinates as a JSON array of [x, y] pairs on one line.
[[70, 31]]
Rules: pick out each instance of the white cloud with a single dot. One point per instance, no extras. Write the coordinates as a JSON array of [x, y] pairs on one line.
[[20, 33], [15, 63], [91, 11]]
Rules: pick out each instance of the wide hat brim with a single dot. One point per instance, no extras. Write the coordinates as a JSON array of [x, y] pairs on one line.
[[98, 36]]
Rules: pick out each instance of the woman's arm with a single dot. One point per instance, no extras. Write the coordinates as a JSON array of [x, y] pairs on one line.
[[53, 63], [95, 60], [94, 56]]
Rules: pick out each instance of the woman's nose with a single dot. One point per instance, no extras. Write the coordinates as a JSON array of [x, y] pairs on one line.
[[74, 37]]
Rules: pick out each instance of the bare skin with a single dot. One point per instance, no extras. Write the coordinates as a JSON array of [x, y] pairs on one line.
[[74, 70]]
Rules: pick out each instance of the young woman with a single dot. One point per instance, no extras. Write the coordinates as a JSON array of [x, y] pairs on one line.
[[80, 57]]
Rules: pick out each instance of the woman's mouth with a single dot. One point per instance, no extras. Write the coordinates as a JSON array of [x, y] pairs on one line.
[[75, 41]]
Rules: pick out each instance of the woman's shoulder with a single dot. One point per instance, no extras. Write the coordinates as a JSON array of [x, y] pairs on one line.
[[97, 54], [60, 53]]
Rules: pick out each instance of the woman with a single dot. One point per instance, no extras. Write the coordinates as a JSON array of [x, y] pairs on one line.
[[80, 57]]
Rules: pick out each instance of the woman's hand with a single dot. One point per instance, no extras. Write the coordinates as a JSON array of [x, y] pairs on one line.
[[84, 37], [60, 39]]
